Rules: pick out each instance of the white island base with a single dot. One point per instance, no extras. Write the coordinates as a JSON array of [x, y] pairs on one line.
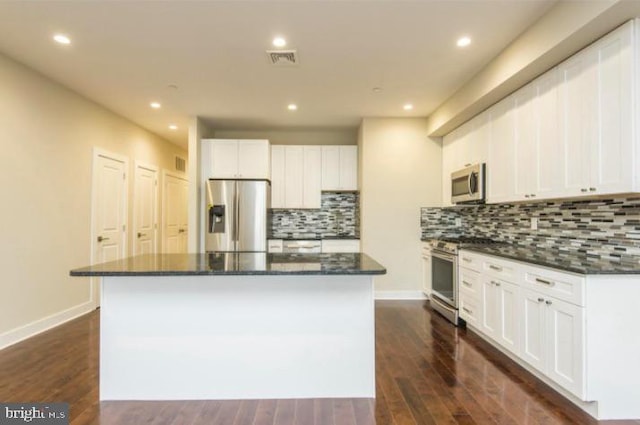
[[237, 337]]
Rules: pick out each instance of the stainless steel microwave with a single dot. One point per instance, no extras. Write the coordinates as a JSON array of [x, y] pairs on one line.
[[468, 184]]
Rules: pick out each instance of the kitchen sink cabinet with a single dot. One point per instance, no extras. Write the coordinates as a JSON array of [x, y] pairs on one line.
[[296, 176], [339, 168], [236, 159], [499, 307]]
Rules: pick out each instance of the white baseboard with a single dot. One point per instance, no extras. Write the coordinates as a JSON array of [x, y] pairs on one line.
[[400, 295], [30, 329]]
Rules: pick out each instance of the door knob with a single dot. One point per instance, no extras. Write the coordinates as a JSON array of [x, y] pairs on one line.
[[100, 239], [181, 231], [141, 235]]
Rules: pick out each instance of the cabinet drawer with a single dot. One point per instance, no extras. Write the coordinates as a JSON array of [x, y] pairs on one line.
[[498, 268], [341, 245], [470, 261], [564, 286], [274, 245], [469, 310], [469, 282]]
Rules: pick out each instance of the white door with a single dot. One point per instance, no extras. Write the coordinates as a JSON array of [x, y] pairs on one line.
[[532, 325], [525, 143], [145, 208], [174, 214], [294, 176], [109, 211], [490, 307], [565, 344], [508, 319], [330, 167], [501, 169]]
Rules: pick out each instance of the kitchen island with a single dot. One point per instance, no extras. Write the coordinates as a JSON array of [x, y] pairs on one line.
[[236, 326]]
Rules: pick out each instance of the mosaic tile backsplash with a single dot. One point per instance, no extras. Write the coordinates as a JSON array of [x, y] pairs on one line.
[[602, 228], [339, 216]]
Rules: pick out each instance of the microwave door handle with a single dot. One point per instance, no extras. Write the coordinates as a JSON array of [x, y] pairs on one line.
[[469, 183]]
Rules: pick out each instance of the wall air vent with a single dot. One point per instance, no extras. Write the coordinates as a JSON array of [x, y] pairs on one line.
[[283, 57], [181, 164]]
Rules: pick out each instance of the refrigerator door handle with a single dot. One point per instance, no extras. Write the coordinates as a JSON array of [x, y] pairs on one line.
[[237, 220]]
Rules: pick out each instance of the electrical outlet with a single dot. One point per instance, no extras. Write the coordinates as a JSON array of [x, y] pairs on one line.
[[534, 223], [458, 222]]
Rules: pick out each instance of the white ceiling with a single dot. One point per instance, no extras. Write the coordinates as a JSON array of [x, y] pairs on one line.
[[126, 53]]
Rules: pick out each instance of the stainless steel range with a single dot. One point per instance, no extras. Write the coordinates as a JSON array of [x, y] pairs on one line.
[[444, 273]]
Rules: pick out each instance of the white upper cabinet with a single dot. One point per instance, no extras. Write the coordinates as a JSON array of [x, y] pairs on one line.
[[296, 176], [236, 159], [464, 146], [569, 133], [501, 164], [339, 168]]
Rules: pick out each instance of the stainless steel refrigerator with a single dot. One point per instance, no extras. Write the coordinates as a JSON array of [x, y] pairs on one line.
[[236, 214]]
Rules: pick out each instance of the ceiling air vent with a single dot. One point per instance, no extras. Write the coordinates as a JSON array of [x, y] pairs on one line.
[[283, 57], [181, 164]]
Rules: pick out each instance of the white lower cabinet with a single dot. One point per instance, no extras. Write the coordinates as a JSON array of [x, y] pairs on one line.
[[426, 269], [499, 312], [552, 333], [529, 321]]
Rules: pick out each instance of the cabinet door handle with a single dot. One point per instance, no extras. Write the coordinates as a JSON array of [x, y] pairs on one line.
[[548, 302], [497, 268], [533, 195], [465, 283], [592, 189], [467, 310], [583, 190], [540, 300], [493, 282], [544, 282], [526, 196]]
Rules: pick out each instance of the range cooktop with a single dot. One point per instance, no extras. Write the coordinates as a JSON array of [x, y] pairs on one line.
[[452, 244]]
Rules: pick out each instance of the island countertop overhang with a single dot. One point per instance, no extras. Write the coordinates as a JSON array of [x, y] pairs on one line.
[[236, 264]]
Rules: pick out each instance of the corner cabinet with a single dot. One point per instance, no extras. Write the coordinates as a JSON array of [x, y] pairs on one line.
[[236, 159], [569, 133]]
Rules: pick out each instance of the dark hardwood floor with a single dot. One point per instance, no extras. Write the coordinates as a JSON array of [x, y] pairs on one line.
[[428, 372]]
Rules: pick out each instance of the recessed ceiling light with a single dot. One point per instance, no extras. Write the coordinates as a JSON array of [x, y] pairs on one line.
[[61, 39], [279, 42], [376, 89], [407, 107], [173, 127], [155, 105], [292, 107], [463, 41]]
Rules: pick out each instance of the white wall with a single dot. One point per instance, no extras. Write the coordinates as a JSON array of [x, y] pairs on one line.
[[566, 28], [197, 131], [400, 171], [47, 134], [346, 136]]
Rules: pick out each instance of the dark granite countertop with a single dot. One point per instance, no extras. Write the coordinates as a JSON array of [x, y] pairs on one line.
[[243, 263], [574, 262]]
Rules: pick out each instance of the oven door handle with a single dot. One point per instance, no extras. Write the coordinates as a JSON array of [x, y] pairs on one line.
[[443, 256]]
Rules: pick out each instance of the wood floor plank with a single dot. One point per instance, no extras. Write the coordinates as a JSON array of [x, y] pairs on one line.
[[427, 372]]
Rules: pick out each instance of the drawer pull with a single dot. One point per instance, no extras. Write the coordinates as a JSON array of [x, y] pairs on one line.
[[540, 300], [493, 282], [466, 260], [467, 310], [465, 283], [548, 302], [544, 282], [497, 268]]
